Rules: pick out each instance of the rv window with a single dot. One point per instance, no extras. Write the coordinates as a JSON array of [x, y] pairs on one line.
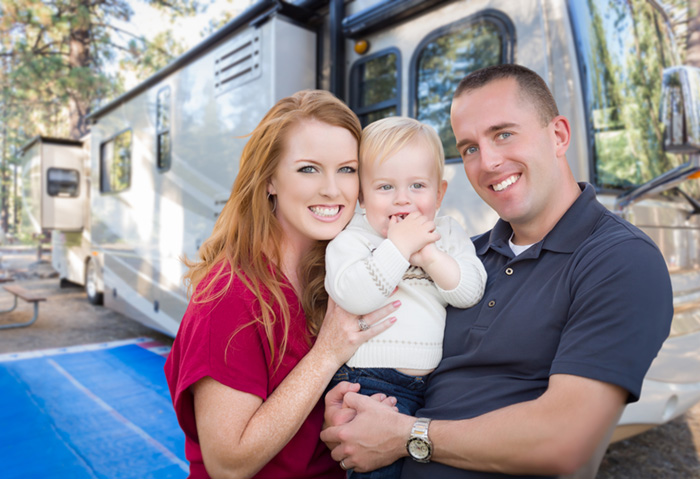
[[62, 182], [624, 47], [115, 163], [375, 86], [163, 150], [448, 55]]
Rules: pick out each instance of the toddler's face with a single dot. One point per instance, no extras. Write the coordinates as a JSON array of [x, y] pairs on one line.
[[405, 182]]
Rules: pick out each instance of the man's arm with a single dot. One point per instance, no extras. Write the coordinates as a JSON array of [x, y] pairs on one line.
[[554, 434]]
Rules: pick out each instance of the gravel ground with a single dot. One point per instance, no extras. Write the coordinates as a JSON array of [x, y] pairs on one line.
[[671, 451]]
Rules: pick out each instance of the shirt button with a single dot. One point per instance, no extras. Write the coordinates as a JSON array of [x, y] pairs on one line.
[[509, 271], [492, 303]]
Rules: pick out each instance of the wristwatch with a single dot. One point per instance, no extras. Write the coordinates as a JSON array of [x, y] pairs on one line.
[[418, 445]]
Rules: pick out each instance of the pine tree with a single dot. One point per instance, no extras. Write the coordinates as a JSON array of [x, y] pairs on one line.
[[58, 61]]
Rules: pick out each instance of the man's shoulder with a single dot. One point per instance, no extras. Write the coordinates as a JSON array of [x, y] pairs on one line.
[[612, 230]]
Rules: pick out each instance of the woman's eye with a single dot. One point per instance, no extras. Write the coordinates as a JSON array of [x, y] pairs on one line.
[[348, 169], [307, 169]]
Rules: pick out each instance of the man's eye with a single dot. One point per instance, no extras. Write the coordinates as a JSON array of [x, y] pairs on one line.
[[471, 150], [504, 135]]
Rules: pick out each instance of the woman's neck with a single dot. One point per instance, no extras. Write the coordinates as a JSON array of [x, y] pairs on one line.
[[291, 255]]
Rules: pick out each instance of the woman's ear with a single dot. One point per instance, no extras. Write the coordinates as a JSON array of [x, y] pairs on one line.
[[271, 188]]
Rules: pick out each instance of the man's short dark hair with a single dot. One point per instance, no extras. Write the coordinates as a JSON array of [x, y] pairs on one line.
[[532, 86]]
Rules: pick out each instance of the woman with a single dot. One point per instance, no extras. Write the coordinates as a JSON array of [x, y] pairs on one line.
[[257, 345]]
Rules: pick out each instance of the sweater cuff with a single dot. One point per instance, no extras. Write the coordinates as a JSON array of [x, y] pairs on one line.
[[469, 291], [389, 260]]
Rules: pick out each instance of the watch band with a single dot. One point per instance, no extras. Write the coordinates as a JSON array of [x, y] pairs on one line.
[[419, 447], [420, 427]]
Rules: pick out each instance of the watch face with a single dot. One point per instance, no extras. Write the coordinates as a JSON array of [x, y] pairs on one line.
[[418, 448]]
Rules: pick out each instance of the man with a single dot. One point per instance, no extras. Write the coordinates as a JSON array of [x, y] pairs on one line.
[[577, 305]]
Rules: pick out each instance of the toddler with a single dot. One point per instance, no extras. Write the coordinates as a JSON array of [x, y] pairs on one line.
[[399, 250]]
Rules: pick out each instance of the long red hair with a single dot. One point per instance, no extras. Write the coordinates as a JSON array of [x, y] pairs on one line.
[[247, 235]]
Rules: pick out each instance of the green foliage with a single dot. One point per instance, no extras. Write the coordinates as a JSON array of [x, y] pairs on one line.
[[57, 63]]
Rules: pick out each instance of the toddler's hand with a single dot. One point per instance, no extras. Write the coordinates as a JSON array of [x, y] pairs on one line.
[[426, 256], [412, 234]]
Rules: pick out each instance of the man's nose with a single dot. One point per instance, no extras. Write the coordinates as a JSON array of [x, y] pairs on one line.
[[491, 158]]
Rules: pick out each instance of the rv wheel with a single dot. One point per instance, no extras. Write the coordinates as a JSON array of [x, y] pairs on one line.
[[91, 284]]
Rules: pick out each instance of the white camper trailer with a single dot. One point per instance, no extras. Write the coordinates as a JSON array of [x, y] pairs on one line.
[[54, 194], [164, 155]]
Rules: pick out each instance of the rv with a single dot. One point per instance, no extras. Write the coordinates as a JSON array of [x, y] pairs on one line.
[[160, 160]]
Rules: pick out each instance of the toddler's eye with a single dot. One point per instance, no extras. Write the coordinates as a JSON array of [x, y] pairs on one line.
[[385, 187]]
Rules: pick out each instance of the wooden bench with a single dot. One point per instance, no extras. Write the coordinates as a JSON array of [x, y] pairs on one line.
[[28, 296]]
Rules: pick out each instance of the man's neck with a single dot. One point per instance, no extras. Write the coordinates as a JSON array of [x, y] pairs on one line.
[[532, 232]]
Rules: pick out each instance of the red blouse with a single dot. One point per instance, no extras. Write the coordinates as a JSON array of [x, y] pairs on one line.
[[206, 345]]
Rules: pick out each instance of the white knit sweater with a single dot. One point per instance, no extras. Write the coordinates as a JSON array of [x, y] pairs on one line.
[[363, 269]]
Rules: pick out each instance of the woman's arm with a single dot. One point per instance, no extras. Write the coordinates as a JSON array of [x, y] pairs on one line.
[[239, 432]]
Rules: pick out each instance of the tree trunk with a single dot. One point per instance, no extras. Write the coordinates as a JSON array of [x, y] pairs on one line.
[[79, 64], [693, 53]]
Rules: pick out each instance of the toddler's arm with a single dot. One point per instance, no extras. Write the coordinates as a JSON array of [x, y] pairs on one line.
[[360, 277], [456, 270]]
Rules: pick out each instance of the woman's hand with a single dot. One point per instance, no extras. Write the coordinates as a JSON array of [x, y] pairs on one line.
[[341, 332]]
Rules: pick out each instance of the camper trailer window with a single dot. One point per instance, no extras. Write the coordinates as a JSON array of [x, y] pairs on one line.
[[163, 153], [115, 163], [624, 46], [376, 86], [62, 182], [448, 55]]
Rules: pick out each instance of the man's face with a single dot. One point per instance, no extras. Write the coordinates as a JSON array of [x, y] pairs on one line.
[[513, 162]]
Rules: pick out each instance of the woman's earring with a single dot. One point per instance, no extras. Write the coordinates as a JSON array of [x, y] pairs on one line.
[[274, 201]]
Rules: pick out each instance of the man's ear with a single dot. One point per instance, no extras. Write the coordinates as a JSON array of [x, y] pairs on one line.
[[442, 188], [562, 134]]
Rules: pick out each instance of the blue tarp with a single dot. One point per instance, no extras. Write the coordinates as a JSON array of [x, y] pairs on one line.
[[99, 411]]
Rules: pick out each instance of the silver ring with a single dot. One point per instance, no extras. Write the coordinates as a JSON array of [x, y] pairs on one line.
[[363, 324], [342, 465]]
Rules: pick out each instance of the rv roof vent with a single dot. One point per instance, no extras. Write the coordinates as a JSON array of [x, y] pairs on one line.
[[237, 62]]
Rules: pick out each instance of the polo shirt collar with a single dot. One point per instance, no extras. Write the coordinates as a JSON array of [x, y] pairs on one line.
[[565, 237]]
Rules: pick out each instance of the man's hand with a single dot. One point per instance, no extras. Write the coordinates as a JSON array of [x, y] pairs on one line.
[[375, 437]]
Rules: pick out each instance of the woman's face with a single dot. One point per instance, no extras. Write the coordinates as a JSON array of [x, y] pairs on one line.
[[316, 182]]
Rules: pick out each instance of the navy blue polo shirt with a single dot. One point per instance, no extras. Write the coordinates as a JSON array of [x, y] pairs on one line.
[[592, 299]]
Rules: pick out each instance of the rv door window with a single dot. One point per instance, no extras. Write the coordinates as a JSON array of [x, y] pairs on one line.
[[375, 85], [448, 55], [163, 150], [115, 163], [62, 182], [624, 46]]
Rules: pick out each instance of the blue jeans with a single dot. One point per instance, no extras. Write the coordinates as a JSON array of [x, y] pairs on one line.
[[408, 391]]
